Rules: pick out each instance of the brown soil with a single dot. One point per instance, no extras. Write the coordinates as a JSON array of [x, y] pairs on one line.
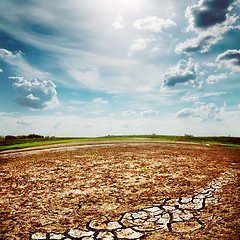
[[52, 191]]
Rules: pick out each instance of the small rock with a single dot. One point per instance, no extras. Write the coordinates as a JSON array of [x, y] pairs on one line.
[[39, 236], [77, 233], [128, 233]]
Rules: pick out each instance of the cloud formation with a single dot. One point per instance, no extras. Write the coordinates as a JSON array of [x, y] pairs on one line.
[[153, 23], [205, 112], [208, 12], [201, 44], [4, 53], [210, 19], [216, 78], [183, 72], [35, 94], [20, 65], [231, 59]]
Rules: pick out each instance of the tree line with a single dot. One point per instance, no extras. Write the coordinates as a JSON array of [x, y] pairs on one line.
[[30, 136]]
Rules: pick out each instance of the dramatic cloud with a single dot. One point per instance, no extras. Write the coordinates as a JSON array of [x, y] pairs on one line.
[[204, 112], [210, 19], [35, 94], [207, 13], [183, 72], [153, 23], [231, 58], [216, 78]]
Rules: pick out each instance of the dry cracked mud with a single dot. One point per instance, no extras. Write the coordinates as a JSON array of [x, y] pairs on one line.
[[154, 190]]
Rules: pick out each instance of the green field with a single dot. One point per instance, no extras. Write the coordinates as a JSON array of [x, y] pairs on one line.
[[23, 143]]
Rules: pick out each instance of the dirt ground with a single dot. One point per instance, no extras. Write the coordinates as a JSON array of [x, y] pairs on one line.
[[52, 191]]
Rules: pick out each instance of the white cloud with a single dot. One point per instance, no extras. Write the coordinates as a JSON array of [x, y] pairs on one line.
[[183, 72], [213, 94], [153, 23], [205, 112], [149, 113], [146, 113], [196, 98], [139, 44], [20, 65], [118, 23], [231, 59], [1, 70], [190, 99], [210, 64], [35, 94], [216, 78], [201, 44], [4, 53], [129, 113], [100, 100]]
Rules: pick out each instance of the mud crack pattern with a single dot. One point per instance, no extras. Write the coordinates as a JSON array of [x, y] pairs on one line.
[[166, 217]]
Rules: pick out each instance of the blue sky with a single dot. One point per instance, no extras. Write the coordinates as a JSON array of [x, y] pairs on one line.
[[103, 67]]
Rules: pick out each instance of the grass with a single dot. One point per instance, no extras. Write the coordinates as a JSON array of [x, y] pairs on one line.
[[24, 143]]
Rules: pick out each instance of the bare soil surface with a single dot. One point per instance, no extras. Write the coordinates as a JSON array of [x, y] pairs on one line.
[[52, 190]]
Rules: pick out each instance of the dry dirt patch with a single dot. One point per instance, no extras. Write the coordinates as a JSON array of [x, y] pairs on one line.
[[58, 190]]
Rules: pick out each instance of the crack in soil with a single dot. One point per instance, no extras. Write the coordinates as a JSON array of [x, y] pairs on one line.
[[174, 215]]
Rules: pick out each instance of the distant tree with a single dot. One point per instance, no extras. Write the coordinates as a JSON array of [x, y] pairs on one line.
[[10, 137], [21, 137], [188, 135], [35, 136]]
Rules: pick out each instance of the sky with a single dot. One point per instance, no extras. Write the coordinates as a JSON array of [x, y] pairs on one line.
[[74, 68]]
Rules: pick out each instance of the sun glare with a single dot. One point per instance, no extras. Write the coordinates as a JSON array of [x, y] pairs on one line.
[[129, 4]]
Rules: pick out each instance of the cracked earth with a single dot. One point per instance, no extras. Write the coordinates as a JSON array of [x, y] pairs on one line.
[[168, 216], [122, 190]]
